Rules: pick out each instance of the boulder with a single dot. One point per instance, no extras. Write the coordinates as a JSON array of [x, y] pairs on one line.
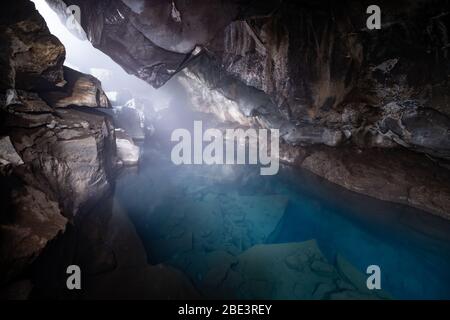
[[287, 270], [25, 101], [399, 176], [31, 58], [131, 121], [422, 129], [74, 151], [30, 219], [80, 90]]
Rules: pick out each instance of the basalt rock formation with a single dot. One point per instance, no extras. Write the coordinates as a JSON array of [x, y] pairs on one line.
[[154, 39], [342, 96], [58, 158], [55, 158], [79, 90]]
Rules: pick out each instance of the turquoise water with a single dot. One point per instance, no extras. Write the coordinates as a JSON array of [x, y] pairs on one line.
[[185, 213]]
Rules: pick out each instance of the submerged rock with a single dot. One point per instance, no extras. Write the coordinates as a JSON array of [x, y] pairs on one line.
[[286, 271], [234, 222], [131, 277]]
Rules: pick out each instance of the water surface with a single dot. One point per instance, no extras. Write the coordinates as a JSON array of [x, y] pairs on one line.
[[189, 216]]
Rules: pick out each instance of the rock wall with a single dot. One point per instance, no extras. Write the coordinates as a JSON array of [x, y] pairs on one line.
[[310, 72], [58, 161], [399, 176], [329, 76], [155, 40], [57, 152]]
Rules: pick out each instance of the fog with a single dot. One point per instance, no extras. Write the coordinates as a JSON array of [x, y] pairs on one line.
[[82, 56]]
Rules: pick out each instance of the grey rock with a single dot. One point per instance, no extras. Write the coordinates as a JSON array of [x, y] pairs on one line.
[[283, 271], [399, 176], [428, 131], [24, 101], [7, 152], [306, 66], [131, 121], [168, 34], [31, 58], [76, 160], [127, 152], [310, 135]]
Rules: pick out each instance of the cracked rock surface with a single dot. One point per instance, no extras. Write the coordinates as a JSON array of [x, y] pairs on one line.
[[55, 159], [58, 160]]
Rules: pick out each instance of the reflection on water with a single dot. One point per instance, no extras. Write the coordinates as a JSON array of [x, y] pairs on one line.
[[210, 222]]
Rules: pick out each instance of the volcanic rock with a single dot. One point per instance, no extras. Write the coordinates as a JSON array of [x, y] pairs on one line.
[[80, 90], [31, 58]]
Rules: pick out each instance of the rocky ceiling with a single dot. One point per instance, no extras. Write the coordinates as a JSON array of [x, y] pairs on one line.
[[309, 68]]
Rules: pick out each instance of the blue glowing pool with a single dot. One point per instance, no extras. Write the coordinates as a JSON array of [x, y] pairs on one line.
[[237, 234]]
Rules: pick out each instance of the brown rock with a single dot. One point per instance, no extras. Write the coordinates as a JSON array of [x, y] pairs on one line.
[[80, 90], [25, 101], [74, 152], [398, 175], [29, 220], [31, 57]]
